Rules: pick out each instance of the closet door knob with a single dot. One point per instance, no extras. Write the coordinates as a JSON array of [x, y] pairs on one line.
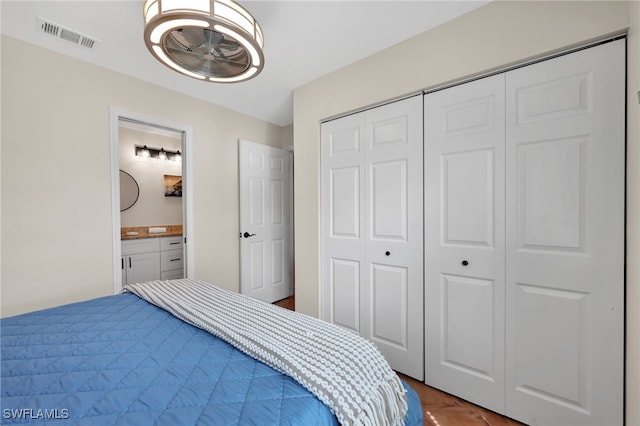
[[387, 253], [247, 235], [465, 262]]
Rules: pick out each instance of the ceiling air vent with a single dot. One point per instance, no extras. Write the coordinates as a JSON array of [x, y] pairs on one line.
[[65, 33]]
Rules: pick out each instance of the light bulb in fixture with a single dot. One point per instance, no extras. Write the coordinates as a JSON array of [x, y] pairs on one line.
[[162, 155], [177, 156], [144, 152]]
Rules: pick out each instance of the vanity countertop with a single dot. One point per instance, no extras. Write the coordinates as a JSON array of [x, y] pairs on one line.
[[143, 232]]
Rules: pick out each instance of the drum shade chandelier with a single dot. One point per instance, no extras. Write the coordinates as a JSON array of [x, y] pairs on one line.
[[210, 40]]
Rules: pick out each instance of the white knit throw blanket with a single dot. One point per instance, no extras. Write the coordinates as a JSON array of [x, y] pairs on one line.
[[343, 370]]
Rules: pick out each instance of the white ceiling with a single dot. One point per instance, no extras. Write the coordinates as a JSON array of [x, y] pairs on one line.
[[303, 41]]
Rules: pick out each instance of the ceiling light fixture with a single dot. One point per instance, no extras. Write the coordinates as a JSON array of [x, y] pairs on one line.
[[210, 40]]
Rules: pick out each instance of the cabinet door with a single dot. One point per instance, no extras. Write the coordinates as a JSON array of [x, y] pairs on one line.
[[143, 267], [464, 244], [565, 238]]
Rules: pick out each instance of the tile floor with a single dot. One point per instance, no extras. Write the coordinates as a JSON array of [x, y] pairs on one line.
[[289, 303], [440, 408]]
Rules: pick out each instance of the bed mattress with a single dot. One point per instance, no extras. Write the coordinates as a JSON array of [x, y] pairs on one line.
[[121, 360]]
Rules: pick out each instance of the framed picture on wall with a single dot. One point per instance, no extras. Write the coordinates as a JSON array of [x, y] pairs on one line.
[[172, 186]]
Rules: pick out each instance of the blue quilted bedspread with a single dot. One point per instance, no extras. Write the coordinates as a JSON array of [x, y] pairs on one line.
[[121, 360]]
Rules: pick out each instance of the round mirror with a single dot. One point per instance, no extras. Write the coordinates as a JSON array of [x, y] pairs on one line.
[[129, 191]]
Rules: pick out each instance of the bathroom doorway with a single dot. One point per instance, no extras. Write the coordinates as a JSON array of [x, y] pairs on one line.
[[153, 156]]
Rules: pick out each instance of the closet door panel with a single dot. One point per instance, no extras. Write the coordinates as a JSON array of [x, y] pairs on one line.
[[342, 221], [389, 292], [565, 238], [389, 200], [470, 299], [467, 191], [555, 373], [464, 245], [393, 199], [551, 194], [344, 287], [344, 208]]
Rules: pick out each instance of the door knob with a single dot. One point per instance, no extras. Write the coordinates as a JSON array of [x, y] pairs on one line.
[[247, 235], [387, 253], [465, 262]]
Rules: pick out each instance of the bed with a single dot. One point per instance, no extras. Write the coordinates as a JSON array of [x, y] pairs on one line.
[[125, 360]]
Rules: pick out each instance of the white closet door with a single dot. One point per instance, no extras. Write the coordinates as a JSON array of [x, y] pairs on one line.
[[565, 239], [464, 243], [394, 247], [342, 219], [372, 239]]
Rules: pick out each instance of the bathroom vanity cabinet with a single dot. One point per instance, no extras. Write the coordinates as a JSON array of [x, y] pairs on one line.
[[148, 259]]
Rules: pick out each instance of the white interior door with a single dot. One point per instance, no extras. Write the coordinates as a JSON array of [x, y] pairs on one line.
[[265, 265], [565, 239], [464, 245], [372, 273]]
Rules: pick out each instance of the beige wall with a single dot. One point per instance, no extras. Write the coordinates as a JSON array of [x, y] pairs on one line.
[[287, 136], [488, 38], [633, 218], [56, 195]]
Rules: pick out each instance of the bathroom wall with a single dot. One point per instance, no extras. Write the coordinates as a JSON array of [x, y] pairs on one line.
[[152, 207]]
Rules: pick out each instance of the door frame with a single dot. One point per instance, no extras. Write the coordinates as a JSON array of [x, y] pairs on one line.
[[115, 115]]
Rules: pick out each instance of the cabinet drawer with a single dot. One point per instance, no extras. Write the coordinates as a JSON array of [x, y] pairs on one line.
[[170, 243], [144, 245], [173, 275], [171, 259]]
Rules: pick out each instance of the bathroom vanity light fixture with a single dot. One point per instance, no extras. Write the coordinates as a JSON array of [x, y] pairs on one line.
[[158, 153], [210, 40]]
